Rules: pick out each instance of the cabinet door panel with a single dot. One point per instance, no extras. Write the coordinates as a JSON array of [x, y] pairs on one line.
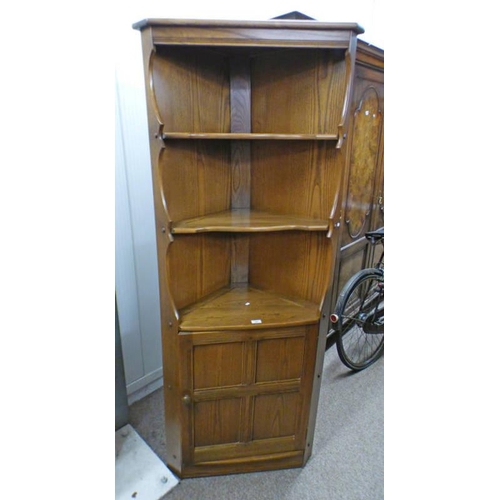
[[217, 365], [279, 359], [275, 415], [217, 422]]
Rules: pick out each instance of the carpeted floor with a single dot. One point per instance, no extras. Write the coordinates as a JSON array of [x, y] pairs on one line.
[[347, 461]]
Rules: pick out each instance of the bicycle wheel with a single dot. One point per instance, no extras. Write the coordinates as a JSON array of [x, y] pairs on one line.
[[359, 319]]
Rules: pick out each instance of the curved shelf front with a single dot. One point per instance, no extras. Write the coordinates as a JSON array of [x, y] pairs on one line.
[[250, 136], [242, 307], [246, 220]]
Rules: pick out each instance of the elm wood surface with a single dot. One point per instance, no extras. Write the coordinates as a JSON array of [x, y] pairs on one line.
[[229, 94], [250, 136], [295, 178], [283, 25], [292, 263], [173, 32], [251, 415], [363, 189], [242, 306], [245, 118], [246, 220], [196, 266], [314, 78], [195, 179]]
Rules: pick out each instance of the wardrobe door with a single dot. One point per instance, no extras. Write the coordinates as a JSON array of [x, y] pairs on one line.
[[363, 195]]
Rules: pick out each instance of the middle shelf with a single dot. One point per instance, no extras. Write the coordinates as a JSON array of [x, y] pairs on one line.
[[247, 220]]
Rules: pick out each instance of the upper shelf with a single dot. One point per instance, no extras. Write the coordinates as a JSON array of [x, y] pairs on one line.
[[250, 136], [245, 220]]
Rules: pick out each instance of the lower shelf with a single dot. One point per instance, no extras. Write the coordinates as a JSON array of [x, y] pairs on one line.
[[244, 307]]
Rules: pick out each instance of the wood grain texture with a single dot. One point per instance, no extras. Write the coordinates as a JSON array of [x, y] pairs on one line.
[[275, 415], [240, 254], [240, 136], [295, 178], [191, 89], [290, 352], [244, 127], [195, 178], [363, 191], [241, 89], [217, 422], [292, 263], [220, 23], [250, 37], [257, 415], [230, 355], [369, 56], [246, 220], [197, 265], [311, 100], [233, 308], [367, 127]]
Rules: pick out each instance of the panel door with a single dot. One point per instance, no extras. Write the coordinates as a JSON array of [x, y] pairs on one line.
[[363, 189], [246, 397]]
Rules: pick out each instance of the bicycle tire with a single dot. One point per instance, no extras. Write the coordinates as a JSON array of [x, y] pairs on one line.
[[360, 313]]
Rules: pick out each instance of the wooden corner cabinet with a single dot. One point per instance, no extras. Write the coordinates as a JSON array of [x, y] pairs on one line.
[[248, 125]]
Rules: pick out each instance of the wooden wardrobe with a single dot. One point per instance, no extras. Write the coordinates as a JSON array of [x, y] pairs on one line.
[[363, 189], [260, 186]]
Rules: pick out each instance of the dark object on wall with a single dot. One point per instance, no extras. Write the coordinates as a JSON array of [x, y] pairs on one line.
[[121, 403], [294, 15]]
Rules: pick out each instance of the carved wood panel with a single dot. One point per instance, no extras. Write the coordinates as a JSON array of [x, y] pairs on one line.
[[366, 133]]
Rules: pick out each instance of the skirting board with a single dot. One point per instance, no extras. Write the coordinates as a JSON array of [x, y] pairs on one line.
[[139, 472], [144, 386]]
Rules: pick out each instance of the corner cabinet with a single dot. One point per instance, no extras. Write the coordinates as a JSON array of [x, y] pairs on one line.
[[247, 125]]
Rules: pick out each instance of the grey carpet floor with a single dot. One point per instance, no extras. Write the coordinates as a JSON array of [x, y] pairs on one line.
[[347, 461]]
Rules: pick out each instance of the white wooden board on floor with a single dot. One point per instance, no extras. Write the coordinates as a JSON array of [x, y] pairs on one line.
[[139, 473]]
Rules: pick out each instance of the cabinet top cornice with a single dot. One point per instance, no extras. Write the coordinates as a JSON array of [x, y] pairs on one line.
[[284, 24]]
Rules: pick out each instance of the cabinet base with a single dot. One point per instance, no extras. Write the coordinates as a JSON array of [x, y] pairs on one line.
[[289, 460]]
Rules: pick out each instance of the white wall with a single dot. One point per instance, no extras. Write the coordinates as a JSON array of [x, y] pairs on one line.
[[136, 268]]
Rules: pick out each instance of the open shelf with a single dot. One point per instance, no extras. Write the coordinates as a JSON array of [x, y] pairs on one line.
[[266, 94], [246, 220], [240, 307], [250, 136]]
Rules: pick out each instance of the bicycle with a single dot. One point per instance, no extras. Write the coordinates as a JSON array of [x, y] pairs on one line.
[[358, 318]]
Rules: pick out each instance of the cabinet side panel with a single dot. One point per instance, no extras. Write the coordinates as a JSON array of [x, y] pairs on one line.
[[293, 263], [195, 177], [197, 265], [191, 88], [295, 178], [299, 91]]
